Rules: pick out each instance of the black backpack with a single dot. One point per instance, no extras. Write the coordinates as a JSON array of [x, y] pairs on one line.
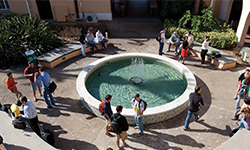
[[145, 104], [18, 124], [158, 37], [115, 127]]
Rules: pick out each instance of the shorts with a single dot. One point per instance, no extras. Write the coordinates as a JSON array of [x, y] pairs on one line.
[[34, 85], [16, 92], [122, 136], [239, 83], [108, 123], [184, 52]]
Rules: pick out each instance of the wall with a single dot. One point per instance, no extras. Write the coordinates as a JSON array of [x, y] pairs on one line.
[[244, 23], [225, 10]]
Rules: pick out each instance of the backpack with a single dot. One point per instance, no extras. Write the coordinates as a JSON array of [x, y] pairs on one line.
[[158, 36], [145, 104], [101, 110], [115, 127], [18, 124], [243, 91]]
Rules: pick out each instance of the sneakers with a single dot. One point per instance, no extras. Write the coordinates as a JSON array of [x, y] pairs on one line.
[[235, 97]]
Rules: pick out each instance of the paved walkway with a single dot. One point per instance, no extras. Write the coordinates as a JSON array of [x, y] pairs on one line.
[[75, 128]]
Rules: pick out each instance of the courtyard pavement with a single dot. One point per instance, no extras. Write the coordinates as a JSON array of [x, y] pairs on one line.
[[76, 128]]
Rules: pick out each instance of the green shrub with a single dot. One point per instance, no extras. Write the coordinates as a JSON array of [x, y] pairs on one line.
[[200, 23], [225, 39], [20, 33]]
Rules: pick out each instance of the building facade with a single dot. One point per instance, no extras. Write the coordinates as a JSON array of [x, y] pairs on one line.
[[234, 12]]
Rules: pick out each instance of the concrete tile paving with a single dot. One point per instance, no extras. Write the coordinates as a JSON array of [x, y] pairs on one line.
[[76, 128]]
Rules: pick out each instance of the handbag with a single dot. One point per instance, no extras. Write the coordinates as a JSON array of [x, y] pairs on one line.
[[52, 87]]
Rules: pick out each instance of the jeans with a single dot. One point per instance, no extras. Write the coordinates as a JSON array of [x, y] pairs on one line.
[[237, 105], [176, 45], [235, 115], [46, 93], [103, 43], [188, 118], [93, 45], [161, 48], [83, 50], [139, 123], [203, 55], [243, 123]]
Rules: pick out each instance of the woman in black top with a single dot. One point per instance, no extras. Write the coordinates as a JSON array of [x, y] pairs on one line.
[[241, 77]]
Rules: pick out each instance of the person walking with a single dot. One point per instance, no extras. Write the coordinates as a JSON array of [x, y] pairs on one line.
[[246, 85], [30, 114], [29, 72], [174, 39], [45, 78], [184, 50], [161, 43], [195, 103], [108, 113], [204, 49], [122, 123], [241, 77], [91, 40], [138, 107], [11, 84], [83, 43]]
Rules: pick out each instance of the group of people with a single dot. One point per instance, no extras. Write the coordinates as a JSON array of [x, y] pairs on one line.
[[138, 107], [242, 93], [24, 109], [89, 40], [187, 44]]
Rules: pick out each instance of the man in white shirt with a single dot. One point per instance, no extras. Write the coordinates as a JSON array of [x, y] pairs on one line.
[[138, 107], [162, 40], [30, 114]]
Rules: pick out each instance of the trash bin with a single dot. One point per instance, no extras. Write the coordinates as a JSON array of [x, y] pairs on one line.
[[30, 54]]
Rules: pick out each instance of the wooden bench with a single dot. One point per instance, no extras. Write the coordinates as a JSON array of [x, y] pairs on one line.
[[61, 54], [226, 61]]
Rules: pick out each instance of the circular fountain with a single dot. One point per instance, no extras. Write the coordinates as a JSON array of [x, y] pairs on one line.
[[162, 82]]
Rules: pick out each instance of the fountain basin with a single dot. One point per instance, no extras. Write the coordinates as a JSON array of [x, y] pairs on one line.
[[151, 115]]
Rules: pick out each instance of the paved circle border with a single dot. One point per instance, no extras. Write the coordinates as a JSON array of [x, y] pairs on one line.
[[151, 115]]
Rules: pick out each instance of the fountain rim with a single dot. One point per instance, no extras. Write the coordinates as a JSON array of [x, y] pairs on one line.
[[181, 100]]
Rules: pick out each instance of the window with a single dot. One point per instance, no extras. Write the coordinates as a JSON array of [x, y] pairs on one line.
[[4, 4]]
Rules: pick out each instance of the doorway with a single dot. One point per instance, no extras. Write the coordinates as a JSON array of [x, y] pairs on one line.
[[44, 9]]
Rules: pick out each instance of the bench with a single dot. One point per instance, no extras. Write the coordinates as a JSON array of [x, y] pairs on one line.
[[61, 54], [240, 140], [226, 61]]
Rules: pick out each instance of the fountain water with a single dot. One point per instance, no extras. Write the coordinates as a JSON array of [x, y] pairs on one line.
[[137, 70], [166, 85]]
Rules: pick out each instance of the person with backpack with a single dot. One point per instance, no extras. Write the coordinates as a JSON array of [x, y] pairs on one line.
[[195, 103], [162, 40], [138, 107], [108, 113], [45, 78], [119, 125], [243, 92], [241, 77]]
